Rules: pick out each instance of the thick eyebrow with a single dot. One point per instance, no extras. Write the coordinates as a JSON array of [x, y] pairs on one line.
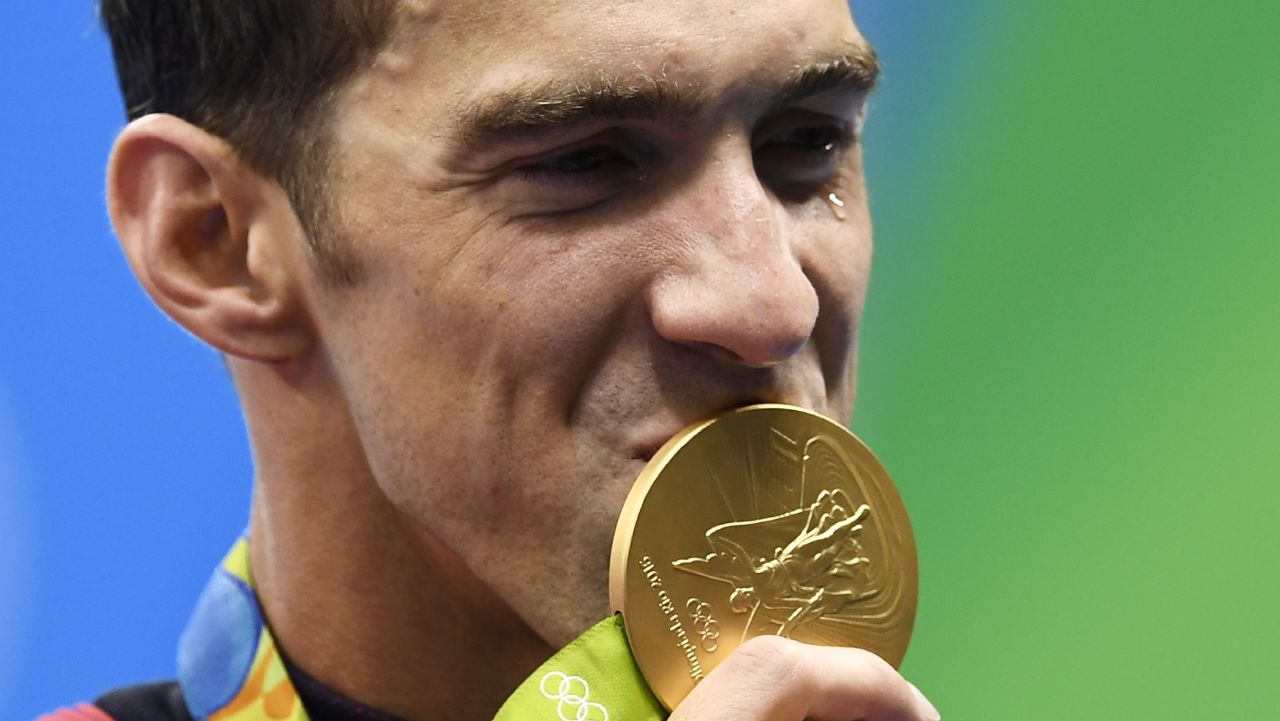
[[854, 72], [554, 106], [557, 105]]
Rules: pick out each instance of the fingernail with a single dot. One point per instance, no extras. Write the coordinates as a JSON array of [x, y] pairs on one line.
[[927, 708]]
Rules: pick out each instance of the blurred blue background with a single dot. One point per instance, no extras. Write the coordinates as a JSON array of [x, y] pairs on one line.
[[1071, 363], [123, 469]]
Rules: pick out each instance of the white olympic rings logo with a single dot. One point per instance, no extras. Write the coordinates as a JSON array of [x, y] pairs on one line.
[[707, 628], [568, 698]]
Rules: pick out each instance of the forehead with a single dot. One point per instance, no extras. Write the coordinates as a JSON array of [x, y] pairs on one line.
[[459, 51]]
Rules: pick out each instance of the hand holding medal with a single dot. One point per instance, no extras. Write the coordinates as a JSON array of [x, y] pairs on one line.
[[767, 521]]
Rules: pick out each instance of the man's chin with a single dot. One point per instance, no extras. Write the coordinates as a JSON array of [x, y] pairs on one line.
[[562, 590], [560, 620], [574, 601]]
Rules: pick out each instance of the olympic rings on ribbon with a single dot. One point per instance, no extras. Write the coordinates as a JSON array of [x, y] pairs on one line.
[[707, 628], [566, 699]]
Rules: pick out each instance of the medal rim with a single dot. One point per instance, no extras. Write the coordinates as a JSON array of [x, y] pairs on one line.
[[624, 532]]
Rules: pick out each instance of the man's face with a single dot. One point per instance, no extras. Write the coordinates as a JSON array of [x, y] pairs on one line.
[[577, 227]]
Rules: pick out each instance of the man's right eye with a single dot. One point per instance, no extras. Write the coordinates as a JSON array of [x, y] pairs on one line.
[[591, 165]]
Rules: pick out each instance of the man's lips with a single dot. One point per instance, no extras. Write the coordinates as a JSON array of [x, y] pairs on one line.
[[647, 451], [652, 441]]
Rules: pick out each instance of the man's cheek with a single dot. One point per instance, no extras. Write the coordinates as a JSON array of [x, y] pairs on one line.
[[562, 319]]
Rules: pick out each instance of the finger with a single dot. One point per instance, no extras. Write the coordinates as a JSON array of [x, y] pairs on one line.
[[930, 711], [851, 683], [774, 679]]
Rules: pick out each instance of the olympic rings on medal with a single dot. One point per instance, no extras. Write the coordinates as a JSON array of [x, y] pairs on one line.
[[568, 698], [707, 628]]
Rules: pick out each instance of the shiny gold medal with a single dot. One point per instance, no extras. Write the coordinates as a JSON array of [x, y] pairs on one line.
[[769, 519]]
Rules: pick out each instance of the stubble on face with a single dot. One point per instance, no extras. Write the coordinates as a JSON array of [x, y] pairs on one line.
[[502, 364]]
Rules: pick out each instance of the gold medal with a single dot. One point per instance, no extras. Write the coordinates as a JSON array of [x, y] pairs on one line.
[[766, 520]]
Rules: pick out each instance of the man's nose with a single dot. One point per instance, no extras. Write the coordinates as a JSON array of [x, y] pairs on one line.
[[740, 292]]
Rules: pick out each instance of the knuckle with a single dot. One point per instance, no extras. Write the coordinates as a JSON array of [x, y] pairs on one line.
[[764, 678], [771, 658], [888, 694], [874, 666]]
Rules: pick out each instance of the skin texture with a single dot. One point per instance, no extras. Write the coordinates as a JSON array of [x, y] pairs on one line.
[[443, 445], [558, 348]]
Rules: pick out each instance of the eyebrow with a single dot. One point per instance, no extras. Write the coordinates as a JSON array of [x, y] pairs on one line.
[[553, 105], [558, 105], [849, 73]]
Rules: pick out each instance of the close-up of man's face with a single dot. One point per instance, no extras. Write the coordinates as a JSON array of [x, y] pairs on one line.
[[569, 230], [498, 359]]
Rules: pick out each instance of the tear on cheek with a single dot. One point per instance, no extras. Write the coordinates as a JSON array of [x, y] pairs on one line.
[[837, 205], [847, 191]]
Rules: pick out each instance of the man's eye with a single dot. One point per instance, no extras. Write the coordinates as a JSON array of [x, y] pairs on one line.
[[583, 165], [798, 160], [821, 139]]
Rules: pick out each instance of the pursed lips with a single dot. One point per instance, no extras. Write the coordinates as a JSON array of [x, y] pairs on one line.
[[652, 441]]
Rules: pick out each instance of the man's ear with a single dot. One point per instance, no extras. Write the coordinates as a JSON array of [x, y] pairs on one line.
[[206, 237]]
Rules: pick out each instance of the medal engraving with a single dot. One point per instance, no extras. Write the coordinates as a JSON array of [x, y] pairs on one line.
[[668, 609], [820, 574], [704, 624], [769, 520]]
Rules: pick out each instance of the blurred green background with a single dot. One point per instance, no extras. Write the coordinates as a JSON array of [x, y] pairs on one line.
[[1071, 359]]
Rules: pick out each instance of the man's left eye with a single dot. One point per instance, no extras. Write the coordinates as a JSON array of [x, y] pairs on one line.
[[813, 138], [802, 157]]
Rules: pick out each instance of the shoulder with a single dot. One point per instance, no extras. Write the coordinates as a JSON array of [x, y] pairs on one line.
[[148, 702]]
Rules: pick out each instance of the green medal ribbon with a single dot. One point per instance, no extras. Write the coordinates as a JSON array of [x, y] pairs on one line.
[[594, 678]]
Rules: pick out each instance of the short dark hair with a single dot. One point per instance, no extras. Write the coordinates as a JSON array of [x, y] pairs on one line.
[[257, 73]]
